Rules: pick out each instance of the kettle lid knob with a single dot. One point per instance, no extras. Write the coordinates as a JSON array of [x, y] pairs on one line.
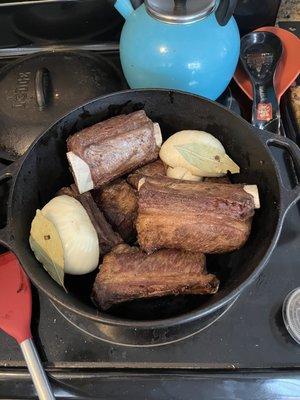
[[180, 11]]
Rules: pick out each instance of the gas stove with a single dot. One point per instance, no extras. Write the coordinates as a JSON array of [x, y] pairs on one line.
[[245, 352]]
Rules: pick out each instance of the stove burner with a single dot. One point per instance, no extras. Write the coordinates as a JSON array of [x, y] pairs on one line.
[[67, 21], [136, 337]]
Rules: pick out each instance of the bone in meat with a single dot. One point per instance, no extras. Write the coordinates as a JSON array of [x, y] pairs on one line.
[[118, 201], [221, 179], [194, 216], [107, 150], [156, 168], [128, 273]]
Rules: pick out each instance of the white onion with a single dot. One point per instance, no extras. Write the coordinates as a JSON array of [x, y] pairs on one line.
[[182, 173], [78, 235], [198, 152]]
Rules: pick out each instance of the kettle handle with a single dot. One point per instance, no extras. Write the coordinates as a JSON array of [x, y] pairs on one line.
[[225, 11]]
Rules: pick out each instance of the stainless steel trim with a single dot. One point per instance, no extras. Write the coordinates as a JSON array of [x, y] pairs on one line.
[[21, 51], [179, 19], [32, 2]]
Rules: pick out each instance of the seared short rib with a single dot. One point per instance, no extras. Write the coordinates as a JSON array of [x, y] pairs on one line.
[[193, 216], [127, 273], [118, 201], [221, 179], [156, 168], [107, 150]]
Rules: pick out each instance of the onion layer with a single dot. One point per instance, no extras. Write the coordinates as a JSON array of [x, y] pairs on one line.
[[78, 235]]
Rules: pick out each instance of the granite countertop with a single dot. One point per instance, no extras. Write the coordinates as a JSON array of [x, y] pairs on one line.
[[289, 18], [289, 10]]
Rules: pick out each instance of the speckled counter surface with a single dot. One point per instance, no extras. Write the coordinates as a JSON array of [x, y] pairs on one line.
[[289, 10], [289, 18]]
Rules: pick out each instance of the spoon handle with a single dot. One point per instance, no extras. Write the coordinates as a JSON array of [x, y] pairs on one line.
[[265, 109], [36, 370]]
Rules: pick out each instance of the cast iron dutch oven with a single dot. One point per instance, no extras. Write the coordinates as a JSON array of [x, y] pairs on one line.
[[35, 178]]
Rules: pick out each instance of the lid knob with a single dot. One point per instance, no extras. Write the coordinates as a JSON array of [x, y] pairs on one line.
[[180, 11]]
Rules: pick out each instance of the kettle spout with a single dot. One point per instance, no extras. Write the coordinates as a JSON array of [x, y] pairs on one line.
[[124, 7]]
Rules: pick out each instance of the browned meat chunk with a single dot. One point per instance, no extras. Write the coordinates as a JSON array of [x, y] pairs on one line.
[[118, 201], [68, 191], [156, 168], [221, 179], [128, 273], [105, 151], [106, 236], [198, 217]]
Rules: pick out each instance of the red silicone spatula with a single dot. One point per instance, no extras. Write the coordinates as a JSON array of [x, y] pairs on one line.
[[15, 317]]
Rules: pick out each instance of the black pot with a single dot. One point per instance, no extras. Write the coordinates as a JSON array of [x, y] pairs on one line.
[[36, 177]]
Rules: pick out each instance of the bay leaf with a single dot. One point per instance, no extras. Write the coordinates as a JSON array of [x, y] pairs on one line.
[[207, 158], [46, 244]]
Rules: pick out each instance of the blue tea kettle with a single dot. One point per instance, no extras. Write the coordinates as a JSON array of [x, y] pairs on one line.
[[190, 45]]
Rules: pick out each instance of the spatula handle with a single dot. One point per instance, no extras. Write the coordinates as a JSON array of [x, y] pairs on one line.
[[36, 370]]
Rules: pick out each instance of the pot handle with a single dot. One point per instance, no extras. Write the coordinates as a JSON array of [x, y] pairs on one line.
[[225, 11], [290, 196], [9, 175]]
